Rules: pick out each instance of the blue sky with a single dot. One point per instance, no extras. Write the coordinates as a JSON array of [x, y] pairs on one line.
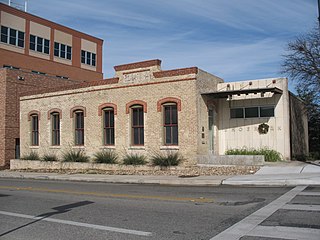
[[233, 39]]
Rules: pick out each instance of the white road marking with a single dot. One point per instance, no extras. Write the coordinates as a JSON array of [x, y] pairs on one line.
[[243, 227], [309, 193], [301, 207], [285, 232], [88, 225]]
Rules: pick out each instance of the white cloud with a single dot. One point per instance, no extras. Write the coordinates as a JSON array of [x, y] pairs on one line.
[[232, 39]]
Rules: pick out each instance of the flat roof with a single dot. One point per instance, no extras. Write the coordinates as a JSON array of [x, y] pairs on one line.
[[225, 94]]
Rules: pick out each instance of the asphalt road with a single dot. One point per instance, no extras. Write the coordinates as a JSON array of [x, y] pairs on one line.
[[33, 209]]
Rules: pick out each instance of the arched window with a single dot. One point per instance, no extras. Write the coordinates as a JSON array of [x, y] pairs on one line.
[[108, 126], [170, 123], [137, 125], [34, 129], [78, 127], [54, 115], [55, 128]]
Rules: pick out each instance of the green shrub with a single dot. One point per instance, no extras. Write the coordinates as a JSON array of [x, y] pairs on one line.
[[134, 159], [166, 159], [75, 156], [311, 157], [106, 156], [314, 156], [49, 157], [31, 156], [270, 155]]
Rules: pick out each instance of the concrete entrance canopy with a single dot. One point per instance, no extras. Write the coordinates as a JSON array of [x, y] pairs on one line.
[[226, 94]]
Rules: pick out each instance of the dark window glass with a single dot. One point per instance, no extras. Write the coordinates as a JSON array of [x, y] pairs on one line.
[[93, 59], [79, 128], [69, 52], [109, 126], [55, 118], [56, 49], [175, 135], [166, 115], [251, 112], [39, 44], [83, 56], [88, 58], [34, 130], [63, 51], [236, 113], [137, 126], [267, 111], [170, 124], [46, 46], [20, 39], [4, 34], [13, 36], [37, 72], [32, 42]]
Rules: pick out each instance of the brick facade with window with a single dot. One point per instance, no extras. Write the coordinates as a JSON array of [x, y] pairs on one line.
[[146, 110], [32, 43], [29, 62], [123, 113], [13, 84]]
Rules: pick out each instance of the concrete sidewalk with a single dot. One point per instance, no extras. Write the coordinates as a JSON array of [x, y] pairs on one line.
[[273, 174], [280, 174]]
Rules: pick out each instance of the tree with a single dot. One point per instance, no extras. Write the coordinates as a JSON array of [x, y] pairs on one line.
[[302, 64]]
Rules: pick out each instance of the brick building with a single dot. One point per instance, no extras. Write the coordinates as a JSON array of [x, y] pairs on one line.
[[37, 54], [65, 103], [145, 110]]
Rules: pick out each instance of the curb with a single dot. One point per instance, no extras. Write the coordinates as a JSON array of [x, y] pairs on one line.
[[276, 180], [281, 183], [129, 180]]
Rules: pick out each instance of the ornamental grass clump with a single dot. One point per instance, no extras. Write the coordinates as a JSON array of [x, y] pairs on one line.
[[48, 157], [31, 156], [270, 155], [75, 156], [166, 159], [134, 159], [106, 156]]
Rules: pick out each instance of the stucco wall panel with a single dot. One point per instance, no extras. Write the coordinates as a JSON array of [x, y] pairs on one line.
[[62, 37], [13, 21], [88, 46], [239, 133], [40, 30]]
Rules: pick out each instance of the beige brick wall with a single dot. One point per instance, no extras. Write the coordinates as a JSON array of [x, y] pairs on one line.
[[187, 85], [92, 97], [206, 82]]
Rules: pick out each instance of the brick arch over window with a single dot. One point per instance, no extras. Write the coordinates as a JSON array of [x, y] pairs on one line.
[[76, 108], [136, 102], [167, 100], [33, 112], [55, 110], [106, 105]]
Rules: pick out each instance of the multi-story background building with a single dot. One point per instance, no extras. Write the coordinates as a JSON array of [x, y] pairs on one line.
[[37, 54]]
